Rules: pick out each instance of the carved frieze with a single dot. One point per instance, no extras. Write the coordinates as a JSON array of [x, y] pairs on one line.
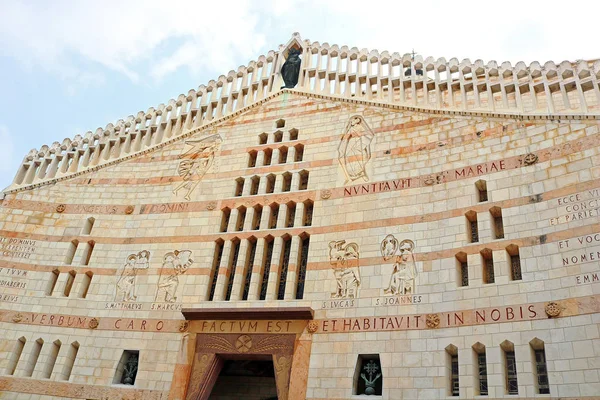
[[354, 149], [344, 259], [127, 276], [404, 273]]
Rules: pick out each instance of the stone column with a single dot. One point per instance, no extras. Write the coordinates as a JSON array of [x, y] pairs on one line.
[[295, 181], [292, 275], [222, 272], [291, 157], [255, 281], [278, 184], [247, 186], [265, 218], [25, 362], [240, 271], [233, 217], [273, 282], [260, 158], [281, 218], [275, 157], [249, 218], [299, 218]]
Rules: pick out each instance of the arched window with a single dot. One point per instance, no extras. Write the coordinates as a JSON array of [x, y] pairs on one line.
[[515, 262], [270, 188], [239, 187], [294, 134], [248, 266], [268, 157], [303, 184], [257, 217], [472, 229], [452, 370], [252, 155], [239, 225], [287, 182], [280, 123], [278, 136], [255, 183], [225, 214], [482, 193], [462, 269], [283, 269], [283, 153], [274, 215], [233, 259], [291, 215], [497, 224], [217, 255], [266, 267], [481, 387], [540, 369], [262, 138], [302, 263], [299, 155], [510, 367]]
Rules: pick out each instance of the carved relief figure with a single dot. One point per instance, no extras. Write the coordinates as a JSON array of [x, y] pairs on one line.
[[354, 150], [344, 258], [404, 273], [125, 286], [291, 69], [196, 162], [174, 264]]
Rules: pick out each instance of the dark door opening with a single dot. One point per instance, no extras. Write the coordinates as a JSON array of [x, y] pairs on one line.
[[246, 379]]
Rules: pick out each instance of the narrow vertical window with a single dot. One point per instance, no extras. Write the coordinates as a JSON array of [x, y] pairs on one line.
[[270, 188], [473, 230], [515, 262], [303, 185], [280, 123], [225, 214], [262, 138], [510, 367], [249, 265], [255, 183], [266, 270], [287, 182], [299, 153], [291, 214], [127, 368], [239, 225], [15, 356], [540, 368], [51, 360], [85, 284], [278, 137], [52, 282], [70, 361], [302, 266], [87, 227], [462, 269], [487, 259], [274, 216], [308, 213], [481, 369], [257, 217], [69, 285], [283, 153], [252, 159], [215, 268], [452, 370], [33, 357], [497, 224], [482, 193], [233, 259], [87, 254], [285, 263], [71, 252], [239, 187], [293, 134]]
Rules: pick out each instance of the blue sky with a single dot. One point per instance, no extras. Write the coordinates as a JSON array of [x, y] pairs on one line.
[[67, 67]]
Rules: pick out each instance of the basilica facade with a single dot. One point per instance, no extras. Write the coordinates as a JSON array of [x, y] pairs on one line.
[[323, 223]]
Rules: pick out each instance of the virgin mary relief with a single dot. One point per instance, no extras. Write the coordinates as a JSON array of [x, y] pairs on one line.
[[354, 150]]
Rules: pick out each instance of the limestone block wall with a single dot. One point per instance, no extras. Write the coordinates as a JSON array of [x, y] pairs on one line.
[[421, 182]]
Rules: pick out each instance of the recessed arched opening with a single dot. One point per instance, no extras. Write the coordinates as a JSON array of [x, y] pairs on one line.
[[214, 273], [262, 138], [462, 269], [368, 375]]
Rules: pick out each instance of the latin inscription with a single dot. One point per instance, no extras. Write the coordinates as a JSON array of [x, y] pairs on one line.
[[138, 325], [378, 187], [143, 306], [419, 321], [8, 298], [92, 209], [397, 300], [17, 248], [246, 326], [330, 304], [587, 278], [55, 320], [165, 208], [480, 169], [12, 284], [578, 206]]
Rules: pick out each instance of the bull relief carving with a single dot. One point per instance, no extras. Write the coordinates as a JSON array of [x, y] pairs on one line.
[[402, 280], [344, 259], [354, 150], [126, 277], [196, 161], [175, 263]]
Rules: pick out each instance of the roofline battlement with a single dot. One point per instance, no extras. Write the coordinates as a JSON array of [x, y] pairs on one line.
[[337, 72]]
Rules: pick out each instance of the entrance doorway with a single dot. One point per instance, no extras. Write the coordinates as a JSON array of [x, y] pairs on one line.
[[246, 379]]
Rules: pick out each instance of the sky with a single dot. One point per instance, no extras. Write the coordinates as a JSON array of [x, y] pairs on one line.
[[68, 67]]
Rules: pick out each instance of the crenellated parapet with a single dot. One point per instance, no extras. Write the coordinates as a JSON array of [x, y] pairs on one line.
[[337, 71]]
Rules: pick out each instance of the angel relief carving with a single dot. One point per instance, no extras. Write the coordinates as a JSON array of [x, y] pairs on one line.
[[402, 280], [196, 161], [354, 150], [344, 258]]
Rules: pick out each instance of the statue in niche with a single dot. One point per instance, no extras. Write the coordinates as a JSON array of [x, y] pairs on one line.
[[291, 69], [127, 276], [354, 150], [175, 263], [404, 273], [370, 369], [196, 162], [344, 258]]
